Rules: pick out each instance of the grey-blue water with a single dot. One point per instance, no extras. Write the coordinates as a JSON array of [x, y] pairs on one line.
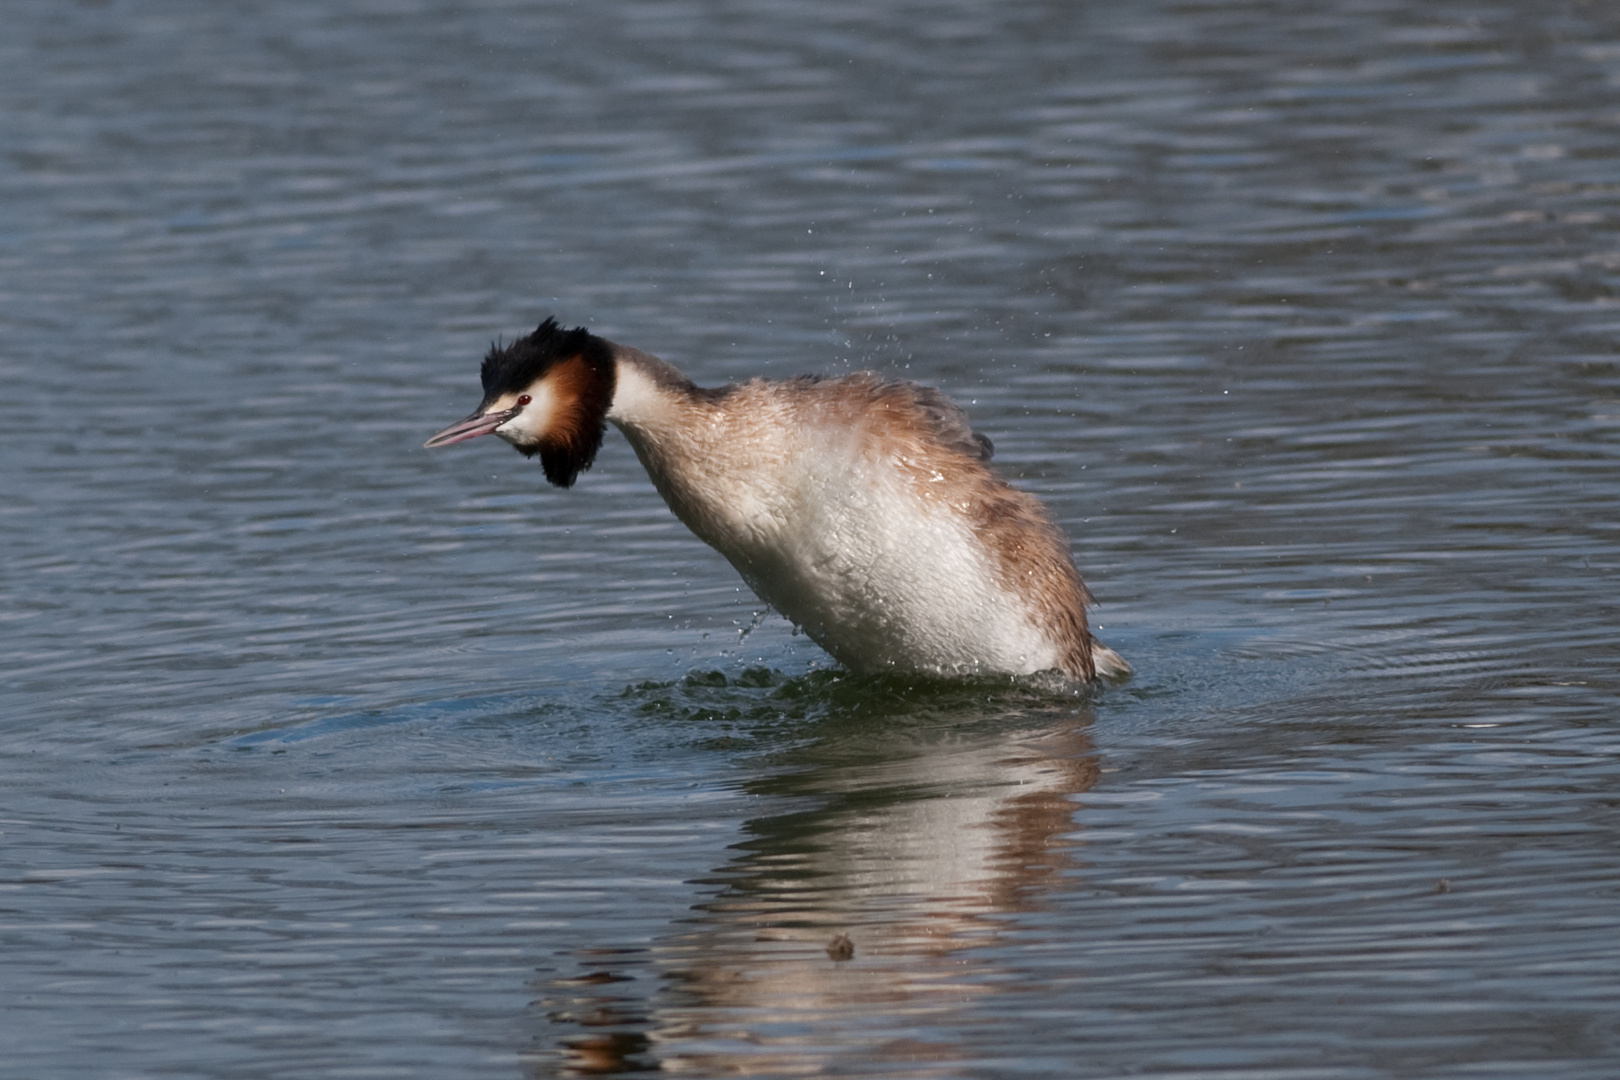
[[322, 755]]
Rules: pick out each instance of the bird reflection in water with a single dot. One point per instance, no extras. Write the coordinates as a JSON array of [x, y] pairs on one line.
[[614, 1022], [860, 922]]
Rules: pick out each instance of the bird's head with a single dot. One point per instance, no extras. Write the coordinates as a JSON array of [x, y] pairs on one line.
[[546, 394]]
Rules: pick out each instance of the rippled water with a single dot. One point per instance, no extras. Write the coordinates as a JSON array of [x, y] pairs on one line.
[[327, 756]]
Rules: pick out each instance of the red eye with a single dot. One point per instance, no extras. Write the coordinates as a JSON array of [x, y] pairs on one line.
[[523, 400]]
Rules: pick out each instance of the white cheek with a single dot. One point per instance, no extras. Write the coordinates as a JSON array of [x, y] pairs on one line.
[[529, 425]]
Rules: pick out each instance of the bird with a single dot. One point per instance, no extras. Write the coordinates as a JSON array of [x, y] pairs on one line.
[[862, 508]]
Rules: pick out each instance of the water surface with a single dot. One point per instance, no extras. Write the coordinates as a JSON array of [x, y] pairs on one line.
[[327, 756]]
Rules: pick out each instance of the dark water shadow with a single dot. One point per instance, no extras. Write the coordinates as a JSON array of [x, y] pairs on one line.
[[904, 824]]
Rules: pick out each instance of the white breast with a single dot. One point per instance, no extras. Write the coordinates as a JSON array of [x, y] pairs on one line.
[[832, 533], [884, 580]]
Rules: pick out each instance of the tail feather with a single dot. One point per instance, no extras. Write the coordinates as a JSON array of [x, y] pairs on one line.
[[1109, 664]]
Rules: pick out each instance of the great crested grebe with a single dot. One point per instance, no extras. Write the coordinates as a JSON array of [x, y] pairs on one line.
[[864, 509]]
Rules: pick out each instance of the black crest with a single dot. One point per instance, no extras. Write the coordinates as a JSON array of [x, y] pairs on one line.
[[583, 366]]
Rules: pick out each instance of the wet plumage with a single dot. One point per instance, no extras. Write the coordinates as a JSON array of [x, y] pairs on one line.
[[863, 509]]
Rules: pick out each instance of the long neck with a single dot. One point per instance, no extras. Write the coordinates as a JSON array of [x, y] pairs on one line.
[[659, 410], [647, 392], [681, 434]]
